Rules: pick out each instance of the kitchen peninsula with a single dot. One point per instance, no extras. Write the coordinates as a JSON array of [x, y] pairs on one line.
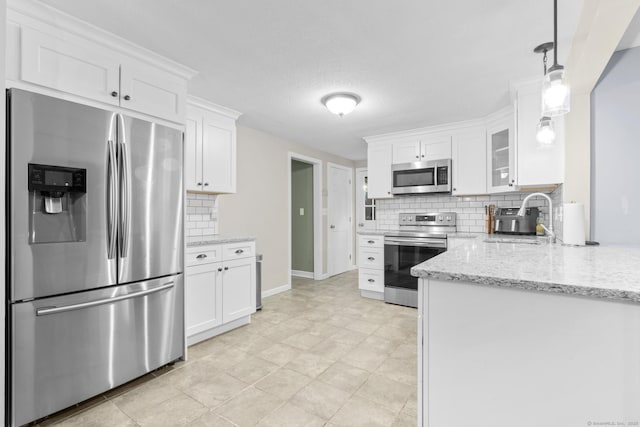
[[528, 335]]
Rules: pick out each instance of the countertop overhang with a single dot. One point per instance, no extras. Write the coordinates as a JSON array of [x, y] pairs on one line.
[[607, 272]]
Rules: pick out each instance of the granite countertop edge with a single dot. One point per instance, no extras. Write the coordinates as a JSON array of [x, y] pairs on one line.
[[529, 285], [216, 240]]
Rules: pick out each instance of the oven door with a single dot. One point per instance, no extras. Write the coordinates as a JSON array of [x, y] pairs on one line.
[[400, 254]]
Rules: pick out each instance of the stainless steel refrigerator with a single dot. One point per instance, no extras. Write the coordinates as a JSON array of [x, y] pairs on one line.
[[95, 288]]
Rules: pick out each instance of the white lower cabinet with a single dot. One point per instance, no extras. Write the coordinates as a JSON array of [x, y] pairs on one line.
[[220, 289], [371, 266]]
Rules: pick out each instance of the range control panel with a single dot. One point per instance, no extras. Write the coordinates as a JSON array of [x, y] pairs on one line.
[[441, 218]]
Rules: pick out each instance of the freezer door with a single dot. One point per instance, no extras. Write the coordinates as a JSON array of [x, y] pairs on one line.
[[67, 349], [50, 131], [151, 194]]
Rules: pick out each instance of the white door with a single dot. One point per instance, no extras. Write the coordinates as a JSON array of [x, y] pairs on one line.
[[203, 298], [379, 167], [193, 150], [339, 218], [469, 157], [365, 207], [238, 288], [435, 148], [406, 152], [219, 155]]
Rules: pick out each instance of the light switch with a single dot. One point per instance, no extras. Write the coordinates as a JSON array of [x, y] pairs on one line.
[[301, 211]]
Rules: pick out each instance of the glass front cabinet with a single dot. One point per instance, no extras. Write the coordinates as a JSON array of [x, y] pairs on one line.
[[501, 174]]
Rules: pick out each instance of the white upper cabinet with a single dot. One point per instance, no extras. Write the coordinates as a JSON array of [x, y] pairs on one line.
[[501, 175], [422, 148], [538, 165], [435, 147], [69, 66], [379, 168], [469, 162], [210, 147], [56, 54]]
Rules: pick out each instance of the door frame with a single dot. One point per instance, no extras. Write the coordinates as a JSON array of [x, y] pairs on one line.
[[351, 212], [317, 211]]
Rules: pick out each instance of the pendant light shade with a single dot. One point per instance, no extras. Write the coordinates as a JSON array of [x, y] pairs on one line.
[[556, 94], [341, 103], [545, 132]]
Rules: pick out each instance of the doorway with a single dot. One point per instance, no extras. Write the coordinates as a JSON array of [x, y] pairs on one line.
[[305, 219], [340, 214]]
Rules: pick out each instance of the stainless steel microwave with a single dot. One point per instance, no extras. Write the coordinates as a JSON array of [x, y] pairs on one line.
[[421, 177]]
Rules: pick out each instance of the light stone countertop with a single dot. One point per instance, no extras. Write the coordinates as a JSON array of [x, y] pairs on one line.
[[215, 239], [608, 272]]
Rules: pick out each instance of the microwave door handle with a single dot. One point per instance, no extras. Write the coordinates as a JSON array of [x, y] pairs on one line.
[[435, 175]]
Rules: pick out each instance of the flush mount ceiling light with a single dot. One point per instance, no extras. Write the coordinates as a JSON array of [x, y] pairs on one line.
[[545, 132], [555, 89], [341, 103]]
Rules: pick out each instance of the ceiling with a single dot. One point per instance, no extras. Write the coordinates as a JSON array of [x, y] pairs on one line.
[[415, 63], [631, 37]]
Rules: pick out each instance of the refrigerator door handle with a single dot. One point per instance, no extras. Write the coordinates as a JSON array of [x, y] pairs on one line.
[[112, 172], [125, 201], [64, 308]]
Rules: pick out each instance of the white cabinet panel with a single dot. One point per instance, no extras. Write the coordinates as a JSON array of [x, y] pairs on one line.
[[69, 65], [238, 250], [406, 151], [371, 280], [203, 298], [238, 294], [371, 257], [501, 174], [193, 154], [537, 165], [218, 156], [371, 241], [469, 162], [203, 255], [152, 91], [379, 168], [210, 150], [435, 148]]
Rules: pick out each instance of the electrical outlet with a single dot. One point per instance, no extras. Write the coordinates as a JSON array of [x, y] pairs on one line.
[[301, 211]]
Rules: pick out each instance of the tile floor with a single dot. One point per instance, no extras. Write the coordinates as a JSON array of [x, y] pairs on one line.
[[318, 355]]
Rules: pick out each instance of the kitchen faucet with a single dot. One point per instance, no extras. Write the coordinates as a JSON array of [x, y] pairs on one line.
[[549, 230]]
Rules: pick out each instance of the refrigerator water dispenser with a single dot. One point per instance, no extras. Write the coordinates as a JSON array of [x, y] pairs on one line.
[[57, 204]]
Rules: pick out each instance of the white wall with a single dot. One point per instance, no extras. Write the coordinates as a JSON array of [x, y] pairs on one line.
[[615, 175], [3, 24], [260, 207]]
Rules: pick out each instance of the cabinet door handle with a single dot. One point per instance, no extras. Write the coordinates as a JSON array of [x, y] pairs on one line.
[[388, 192], [220, 269], [455, 189], [127, 97], [201, 256], [371, 242], [226, 268], [199, 184], [423, 155], [510, 185], [417, 157], [239, 251], [360, 224], [370, 280], [332, 227], [206, 184], [371, 258], [114, 94]]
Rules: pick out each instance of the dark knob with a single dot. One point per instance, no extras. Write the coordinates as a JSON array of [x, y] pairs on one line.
[[127, 97], [371, 280], [201, 256], [220, 269], [423, 155], [417, 157], [371, 242], [510, 185], [199, 184], [206, 184], [388, 192], [239, 251], [371, 258], [114, 93], [226, 268], [455, 189]]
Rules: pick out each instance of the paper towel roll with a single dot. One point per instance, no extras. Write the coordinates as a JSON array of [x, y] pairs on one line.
[[573, 225]]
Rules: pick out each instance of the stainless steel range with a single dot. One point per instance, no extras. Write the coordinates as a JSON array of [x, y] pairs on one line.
[[419, 237]]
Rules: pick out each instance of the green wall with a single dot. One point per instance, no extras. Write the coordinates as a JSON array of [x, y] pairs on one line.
[[301, 225]]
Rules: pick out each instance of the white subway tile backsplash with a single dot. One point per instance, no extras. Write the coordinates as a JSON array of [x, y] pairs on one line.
[[201, 217], [470, 209]]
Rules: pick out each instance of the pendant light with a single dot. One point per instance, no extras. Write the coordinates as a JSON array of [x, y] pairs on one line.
[[545, 131], [341, 103], [555, 90]]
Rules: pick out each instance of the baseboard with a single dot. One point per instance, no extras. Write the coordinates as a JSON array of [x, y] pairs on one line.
[[371, 294], [275, 291], [321, 276], [305, 274], [205, 335]]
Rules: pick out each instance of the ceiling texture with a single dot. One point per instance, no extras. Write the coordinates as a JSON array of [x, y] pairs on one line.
[[415, 63]]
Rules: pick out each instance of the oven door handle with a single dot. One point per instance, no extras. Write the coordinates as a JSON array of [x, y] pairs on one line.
[[432, 243]]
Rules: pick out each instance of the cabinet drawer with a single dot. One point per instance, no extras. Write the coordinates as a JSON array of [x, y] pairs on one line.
[[371, 280], [238, 250], [203, 255], [369, 241], [371, 258]]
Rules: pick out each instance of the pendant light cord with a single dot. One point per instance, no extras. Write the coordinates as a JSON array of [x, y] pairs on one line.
[[555, 33]]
